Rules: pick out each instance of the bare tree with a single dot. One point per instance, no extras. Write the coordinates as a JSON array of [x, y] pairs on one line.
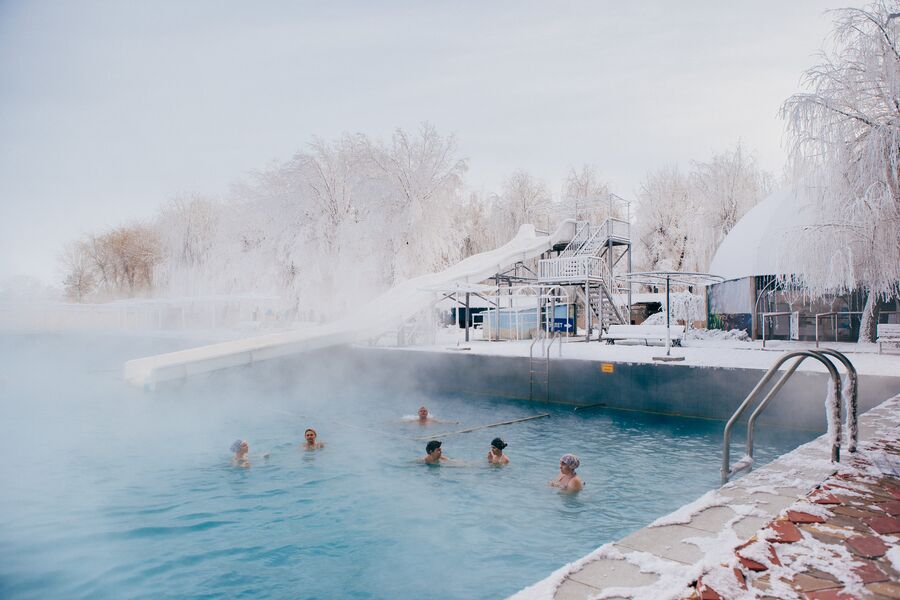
[[845, 146], [79, 276]]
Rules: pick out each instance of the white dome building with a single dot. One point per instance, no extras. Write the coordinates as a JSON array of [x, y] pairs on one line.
[[752, 258]]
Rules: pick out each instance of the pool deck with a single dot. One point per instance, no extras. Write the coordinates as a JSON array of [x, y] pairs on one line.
[[727, 353], [801, 527]]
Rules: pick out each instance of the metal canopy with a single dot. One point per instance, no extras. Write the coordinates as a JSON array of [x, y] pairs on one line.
[[680, 277], [670, 277]]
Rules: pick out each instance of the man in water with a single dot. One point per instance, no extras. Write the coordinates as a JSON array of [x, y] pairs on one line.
[[311, 443], [426, 419], [433, 453]]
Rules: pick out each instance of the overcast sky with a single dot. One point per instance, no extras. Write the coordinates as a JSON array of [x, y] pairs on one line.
[[109, 108]]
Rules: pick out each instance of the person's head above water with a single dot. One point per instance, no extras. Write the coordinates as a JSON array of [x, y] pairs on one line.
[[431, 446], [310, 435], [239, 446], [570, 460], [423, 413], [498, 444]]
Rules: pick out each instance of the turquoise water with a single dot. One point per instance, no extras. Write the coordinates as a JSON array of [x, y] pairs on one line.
[[111, 492]]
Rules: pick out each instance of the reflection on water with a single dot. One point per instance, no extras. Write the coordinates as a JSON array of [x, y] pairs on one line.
[[112, 492]]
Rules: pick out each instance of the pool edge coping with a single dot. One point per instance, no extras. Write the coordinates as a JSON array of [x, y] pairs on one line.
[[776, 486]]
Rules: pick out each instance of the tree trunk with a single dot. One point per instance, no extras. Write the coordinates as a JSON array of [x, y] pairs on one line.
[[869, 320]]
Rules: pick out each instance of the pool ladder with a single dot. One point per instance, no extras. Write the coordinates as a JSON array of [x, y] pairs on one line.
[[834, 419], [544, 361]]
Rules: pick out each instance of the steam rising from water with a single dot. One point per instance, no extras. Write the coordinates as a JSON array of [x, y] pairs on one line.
[[114, 491]]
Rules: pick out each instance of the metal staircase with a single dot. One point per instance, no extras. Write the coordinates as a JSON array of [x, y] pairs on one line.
[[588, 262]]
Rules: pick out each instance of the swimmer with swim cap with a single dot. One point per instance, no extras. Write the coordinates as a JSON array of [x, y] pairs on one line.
[[240, 449], [495, 455], [568, 480], [311, 443]]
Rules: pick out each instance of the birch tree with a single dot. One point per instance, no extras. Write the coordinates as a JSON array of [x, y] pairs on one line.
[[844, 131]]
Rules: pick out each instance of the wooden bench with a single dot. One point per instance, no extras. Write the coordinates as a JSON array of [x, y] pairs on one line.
[[646, 333], [887, 333]]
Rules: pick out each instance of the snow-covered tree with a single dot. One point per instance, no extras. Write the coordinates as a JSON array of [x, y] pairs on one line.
[[726, 187], [682, 219], [523, 199], [187, 228], [845, 144], [425, 180], [585, 196], [665, 217]]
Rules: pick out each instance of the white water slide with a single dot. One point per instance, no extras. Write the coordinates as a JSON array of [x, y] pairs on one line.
[[382, 314]]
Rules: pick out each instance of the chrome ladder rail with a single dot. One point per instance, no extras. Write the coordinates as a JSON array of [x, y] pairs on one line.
[[822, 356]]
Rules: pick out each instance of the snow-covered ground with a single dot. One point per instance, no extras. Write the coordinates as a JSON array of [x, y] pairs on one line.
[[728, 353]]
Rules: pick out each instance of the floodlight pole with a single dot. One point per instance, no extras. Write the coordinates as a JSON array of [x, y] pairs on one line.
[[668, 329], [467, 316]]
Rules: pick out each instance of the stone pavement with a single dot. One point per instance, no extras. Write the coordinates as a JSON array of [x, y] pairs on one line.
[[839, 543]]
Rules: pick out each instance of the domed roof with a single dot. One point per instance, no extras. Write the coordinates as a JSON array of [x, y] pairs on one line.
[[759, 244]]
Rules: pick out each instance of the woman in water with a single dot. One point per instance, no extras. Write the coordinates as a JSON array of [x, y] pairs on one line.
[[568, 480], [240, 449], [311, 443], [495, 455]]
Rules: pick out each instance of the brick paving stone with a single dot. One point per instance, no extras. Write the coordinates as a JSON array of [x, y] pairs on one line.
[[706, 592], [892, 507], [822, 575], [825, 498], [752, 564], [855, 511], [884, 525], [888, 589], [867, 546], [807, 583], [783, 532], [739, 575], [833, 594], [850, 523], [801, 517], [870, 573]]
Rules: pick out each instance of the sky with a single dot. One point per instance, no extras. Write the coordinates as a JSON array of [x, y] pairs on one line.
[[109, 109]]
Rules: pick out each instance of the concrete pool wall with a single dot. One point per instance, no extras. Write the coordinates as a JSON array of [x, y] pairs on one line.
[[688, 391]]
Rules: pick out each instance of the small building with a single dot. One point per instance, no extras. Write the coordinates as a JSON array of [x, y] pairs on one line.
[[754, 267]]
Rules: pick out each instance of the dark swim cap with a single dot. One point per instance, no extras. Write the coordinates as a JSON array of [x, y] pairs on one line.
[[498, 444], [432, 446]]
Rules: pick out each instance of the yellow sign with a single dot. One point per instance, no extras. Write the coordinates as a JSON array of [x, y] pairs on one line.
[[607, 367]]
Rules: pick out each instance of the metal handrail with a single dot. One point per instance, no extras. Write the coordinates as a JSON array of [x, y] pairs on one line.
[[802, 355], [771, 314], [833, 314], [851, 403]]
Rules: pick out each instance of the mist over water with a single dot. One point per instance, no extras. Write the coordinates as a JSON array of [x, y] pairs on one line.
[[111, 491]]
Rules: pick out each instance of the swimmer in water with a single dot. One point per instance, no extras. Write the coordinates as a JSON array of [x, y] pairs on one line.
[[240, 449], [426, 419], [311, 443], [433, 453], [495, 455], [568, 480]]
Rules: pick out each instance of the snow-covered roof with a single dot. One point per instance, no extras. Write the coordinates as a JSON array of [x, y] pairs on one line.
[[759, 243]]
